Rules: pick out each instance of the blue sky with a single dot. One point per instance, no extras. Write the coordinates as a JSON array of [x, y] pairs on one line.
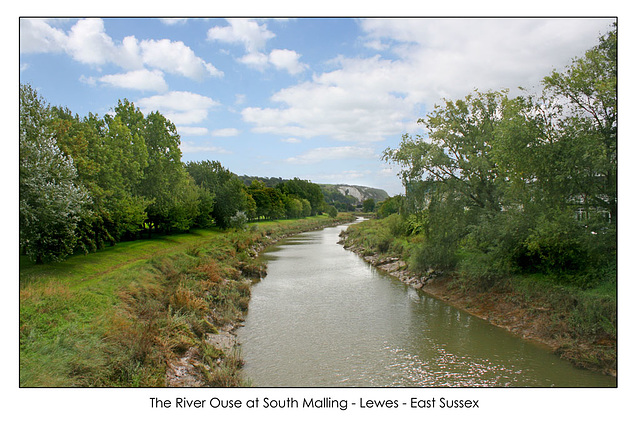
[[315, 98]]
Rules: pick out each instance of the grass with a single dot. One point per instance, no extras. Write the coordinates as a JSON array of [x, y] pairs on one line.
[[115, 317]]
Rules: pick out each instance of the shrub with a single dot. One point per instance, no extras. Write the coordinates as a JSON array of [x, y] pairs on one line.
[[238, 221]]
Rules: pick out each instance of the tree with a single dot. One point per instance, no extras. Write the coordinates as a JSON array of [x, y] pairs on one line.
[[51, 201], [585, 104], [390, 206], [304, 190], [209, 174], [522, 184], [293, 206], [368, 205], [164, 172], [457, 150], [229, 195], [186, 204], [230, 199], [451, 176], [269, 201]]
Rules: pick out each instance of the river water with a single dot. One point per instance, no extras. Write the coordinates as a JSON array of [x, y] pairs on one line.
[[325, 318]]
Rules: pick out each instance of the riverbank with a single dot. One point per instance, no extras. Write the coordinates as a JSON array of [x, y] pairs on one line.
[[193, 369], [152, 313], [533, 311]]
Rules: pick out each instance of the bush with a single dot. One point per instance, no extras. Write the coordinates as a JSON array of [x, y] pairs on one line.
[[238, 221]]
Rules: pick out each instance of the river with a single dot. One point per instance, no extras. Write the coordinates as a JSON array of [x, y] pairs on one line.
[[325, 318]]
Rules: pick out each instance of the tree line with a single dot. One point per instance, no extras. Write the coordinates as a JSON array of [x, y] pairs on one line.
[[501, 184], [93, 181]]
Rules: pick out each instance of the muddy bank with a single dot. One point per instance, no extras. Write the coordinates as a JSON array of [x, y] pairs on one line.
[[526, 316]]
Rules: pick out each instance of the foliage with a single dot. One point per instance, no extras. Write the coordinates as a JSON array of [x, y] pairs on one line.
[[95, 181], [238, 221], [390, 206], [368, 205], [304, 190], [332, 211], [52, 202], [501, 185]]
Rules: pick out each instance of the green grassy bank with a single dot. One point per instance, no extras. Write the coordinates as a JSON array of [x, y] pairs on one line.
[[578, 322], [118, 317]]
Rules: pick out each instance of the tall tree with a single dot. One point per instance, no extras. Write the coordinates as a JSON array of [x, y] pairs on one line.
[[585, 98], [456, 153], [51, 200], [164, 172]]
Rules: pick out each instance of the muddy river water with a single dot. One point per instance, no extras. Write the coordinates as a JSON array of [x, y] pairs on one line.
[[324, 318]]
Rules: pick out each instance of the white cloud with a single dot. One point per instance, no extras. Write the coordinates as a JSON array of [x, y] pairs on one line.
[[356, 103], [287, 60], [420, 62], [88, 42], [190, 147], [225, 132], [182, 108], [320, 154], [174, 21], [254, 37], [36, 36], [245, 31], [451, 57], [130, 56], [137, 79], [192, 130], [257, 60], [175, 58]]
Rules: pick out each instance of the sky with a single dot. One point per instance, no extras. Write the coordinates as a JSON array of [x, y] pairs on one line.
[[315, 98]]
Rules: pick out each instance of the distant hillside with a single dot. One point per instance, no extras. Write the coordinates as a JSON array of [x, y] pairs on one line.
[[358, 192]]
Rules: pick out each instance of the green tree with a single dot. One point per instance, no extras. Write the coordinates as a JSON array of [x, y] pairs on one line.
[[164, 173], [230, 199], [110, 162], [209, 174], [304, 190], [293, 206], [585, 107], [269, 201], [228, 192], [390, 206], [457, 150], [306, 208], [186, 204], [368, 205], [51, 200]]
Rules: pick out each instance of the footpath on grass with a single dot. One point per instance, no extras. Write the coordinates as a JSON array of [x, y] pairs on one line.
[[148, 313]]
